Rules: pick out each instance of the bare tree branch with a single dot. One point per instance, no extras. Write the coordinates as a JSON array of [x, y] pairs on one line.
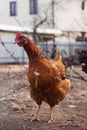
[[36, 25]]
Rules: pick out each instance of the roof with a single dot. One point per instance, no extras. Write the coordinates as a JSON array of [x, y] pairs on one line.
[[13, 28]]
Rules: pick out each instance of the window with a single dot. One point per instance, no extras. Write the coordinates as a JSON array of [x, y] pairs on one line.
[[13, 8], [33, 7], [83, 5]]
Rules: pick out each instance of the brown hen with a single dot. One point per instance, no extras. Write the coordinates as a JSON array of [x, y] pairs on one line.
[[46, 77]]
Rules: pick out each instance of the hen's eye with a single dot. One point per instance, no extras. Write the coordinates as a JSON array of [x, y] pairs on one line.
[[21, 42]]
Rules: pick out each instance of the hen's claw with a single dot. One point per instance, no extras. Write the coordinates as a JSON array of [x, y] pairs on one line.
[[34, 119], [49, 121]]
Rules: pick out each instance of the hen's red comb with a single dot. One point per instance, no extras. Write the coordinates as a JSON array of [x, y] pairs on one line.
[[18, 35]]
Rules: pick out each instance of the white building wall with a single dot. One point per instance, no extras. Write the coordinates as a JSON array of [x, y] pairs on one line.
[[67, 15], [72, 16], [23, 14], [5, 13]]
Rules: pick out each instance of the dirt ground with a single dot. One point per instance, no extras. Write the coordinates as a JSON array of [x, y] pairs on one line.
[[17, 108]]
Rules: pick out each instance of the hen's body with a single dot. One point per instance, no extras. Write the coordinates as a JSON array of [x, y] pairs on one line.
[[45, 83], [45, 77]]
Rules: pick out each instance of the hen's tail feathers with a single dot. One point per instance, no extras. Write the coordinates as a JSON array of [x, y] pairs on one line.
[[59, 51], [59, 54]]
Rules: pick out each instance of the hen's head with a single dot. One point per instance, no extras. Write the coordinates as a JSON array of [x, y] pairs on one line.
[[20, 39]]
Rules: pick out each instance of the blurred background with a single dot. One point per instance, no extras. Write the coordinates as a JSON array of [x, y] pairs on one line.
[[52, 24]]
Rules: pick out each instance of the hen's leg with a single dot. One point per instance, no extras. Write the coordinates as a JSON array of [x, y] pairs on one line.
[[36, 114], [51, 115]]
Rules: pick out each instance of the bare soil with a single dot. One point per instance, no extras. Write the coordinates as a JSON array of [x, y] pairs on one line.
[[17, 107]]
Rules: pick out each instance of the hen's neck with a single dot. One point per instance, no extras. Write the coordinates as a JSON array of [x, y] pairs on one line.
[[32, 51]]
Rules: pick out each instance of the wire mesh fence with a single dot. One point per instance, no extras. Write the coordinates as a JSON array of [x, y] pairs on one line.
[[11, 53]]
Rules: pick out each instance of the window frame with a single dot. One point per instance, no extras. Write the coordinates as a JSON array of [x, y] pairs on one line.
[[33, 6], [13, 8]]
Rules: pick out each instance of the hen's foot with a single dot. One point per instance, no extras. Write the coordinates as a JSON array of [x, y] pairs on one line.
[[51, 120], [35, 119]]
